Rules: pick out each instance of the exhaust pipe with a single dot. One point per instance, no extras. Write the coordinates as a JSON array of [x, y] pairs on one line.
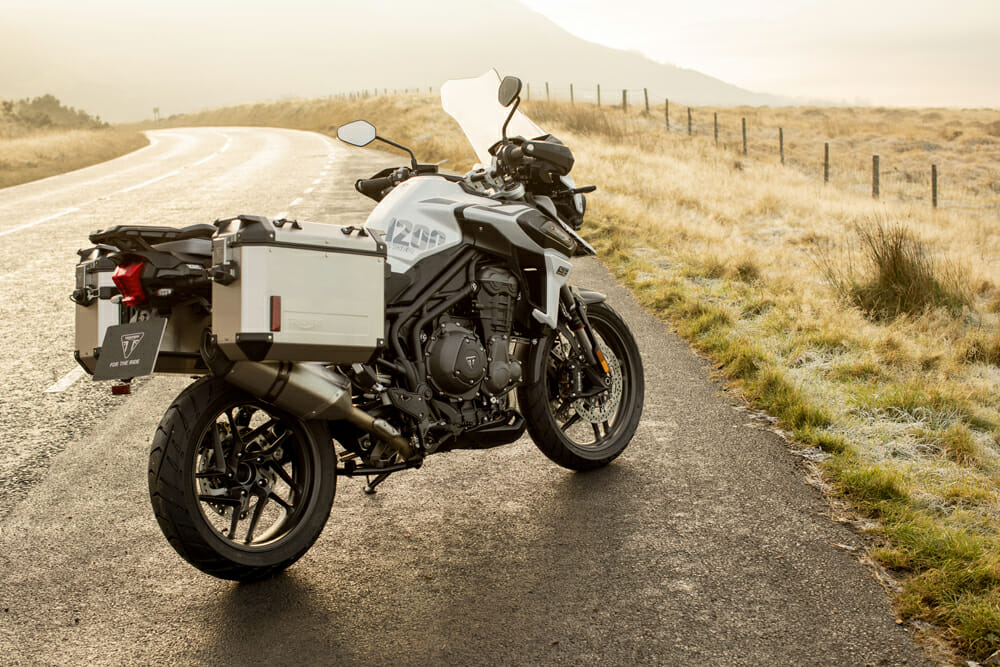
[[312, 391]]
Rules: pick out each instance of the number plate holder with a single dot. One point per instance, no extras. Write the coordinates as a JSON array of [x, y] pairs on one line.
[[130, 350]]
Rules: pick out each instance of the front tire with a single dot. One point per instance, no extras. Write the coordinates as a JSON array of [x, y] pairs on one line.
[[584, 434], [240, 489]]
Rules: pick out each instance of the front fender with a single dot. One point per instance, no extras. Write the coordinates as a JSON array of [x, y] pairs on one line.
[[589, 296]]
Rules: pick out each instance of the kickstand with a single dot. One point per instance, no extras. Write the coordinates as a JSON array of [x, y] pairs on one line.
[[370, 486]]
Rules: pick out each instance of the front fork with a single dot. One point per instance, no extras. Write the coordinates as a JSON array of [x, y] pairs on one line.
[[592, 375]]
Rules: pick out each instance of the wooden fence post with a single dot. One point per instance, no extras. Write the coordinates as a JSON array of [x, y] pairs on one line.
[[547, 98], [624, 100], [528, 95], [826, 162], [715, 126], [781, 143], [645, 94], [744, 136], [934, 188], [666, 111], [689, 122], [875, 176], [598, 94], [571, 102]]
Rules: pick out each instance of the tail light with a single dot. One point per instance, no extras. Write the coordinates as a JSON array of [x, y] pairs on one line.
[[128, 278]]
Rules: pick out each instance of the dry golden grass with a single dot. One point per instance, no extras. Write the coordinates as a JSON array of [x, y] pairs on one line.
[[962, 143], [737, 253], [734, 249], [41, 154]]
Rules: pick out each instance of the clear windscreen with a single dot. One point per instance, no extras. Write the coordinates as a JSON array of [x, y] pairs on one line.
[[474, 104]]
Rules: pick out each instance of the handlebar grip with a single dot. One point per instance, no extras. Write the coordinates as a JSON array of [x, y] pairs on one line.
[[373, 187]]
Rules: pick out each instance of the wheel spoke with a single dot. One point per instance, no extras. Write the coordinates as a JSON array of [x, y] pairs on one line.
[[597, 431], [237, 439], [252, 435], [220, 459], [280, 440], [235, 520], [278, 499], [574, 418], [208, 474], [257, 511], [607, 429], [283, 474]]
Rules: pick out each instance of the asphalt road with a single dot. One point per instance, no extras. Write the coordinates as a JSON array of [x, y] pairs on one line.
[[701, 544]]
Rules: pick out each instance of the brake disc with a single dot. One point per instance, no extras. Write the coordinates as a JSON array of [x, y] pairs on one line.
[[601, 408]]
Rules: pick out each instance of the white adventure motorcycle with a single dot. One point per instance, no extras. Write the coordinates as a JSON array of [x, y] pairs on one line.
[[444, 322]]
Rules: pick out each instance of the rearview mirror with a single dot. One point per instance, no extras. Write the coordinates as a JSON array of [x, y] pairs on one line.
[[510, 88], [358, 133]]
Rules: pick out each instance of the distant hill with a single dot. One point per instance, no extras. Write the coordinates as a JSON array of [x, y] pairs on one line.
[[122, 59]]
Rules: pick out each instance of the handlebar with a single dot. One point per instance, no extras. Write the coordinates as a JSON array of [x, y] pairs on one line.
[[373, 187]]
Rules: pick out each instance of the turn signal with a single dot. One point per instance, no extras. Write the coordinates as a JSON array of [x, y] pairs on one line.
[[128, 278]]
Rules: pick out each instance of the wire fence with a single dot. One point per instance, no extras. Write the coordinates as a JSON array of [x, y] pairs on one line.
[[789, 135]]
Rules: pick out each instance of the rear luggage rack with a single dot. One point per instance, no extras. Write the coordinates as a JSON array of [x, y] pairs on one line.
[[133, 237]]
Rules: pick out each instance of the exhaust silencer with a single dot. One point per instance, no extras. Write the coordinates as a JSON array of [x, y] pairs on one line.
[[312, 391]]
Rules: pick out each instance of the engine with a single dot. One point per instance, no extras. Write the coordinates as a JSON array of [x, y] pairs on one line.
[[462, 362]]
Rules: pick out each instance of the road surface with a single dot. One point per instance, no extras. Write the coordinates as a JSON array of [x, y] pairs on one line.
[[701, 544]]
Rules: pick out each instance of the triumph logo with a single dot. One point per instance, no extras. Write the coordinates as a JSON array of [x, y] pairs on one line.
[[130, 342], [471, 360]]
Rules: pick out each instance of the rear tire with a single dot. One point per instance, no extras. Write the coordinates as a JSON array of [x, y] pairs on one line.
[[563, 428], [240, 489]]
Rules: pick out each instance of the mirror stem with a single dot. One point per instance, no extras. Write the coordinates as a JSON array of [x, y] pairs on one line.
[[503, 130], [413, 158]]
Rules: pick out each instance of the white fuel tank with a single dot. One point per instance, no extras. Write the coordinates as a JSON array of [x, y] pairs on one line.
[[417, 219]]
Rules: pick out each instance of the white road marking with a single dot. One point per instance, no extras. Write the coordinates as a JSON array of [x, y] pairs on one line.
[[159, 178], [204, 160], [39, 221], [149, 182], [281, 215], [66, 381], [308, 190], [297, 201], [317, 181], [322, 173]]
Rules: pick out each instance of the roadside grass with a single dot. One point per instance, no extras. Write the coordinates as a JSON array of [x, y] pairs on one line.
[[870, 330], [43, 153]]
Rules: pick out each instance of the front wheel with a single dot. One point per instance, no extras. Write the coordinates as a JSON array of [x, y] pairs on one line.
[[586, 433], [240, 488]]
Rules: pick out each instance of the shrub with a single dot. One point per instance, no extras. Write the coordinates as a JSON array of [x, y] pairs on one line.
[[898, 276]]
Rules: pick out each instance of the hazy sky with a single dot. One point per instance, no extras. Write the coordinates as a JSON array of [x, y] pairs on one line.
[[120, 58], [900, 52]]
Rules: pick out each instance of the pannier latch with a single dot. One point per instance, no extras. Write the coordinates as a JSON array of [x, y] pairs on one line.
[[285, 221], [350, 229], [225, 273]]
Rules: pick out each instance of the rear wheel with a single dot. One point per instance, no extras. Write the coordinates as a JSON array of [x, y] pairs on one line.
[[240, 488], [586, 433]]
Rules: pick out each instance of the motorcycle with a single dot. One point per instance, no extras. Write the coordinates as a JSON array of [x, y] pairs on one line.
[[444, 322]]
